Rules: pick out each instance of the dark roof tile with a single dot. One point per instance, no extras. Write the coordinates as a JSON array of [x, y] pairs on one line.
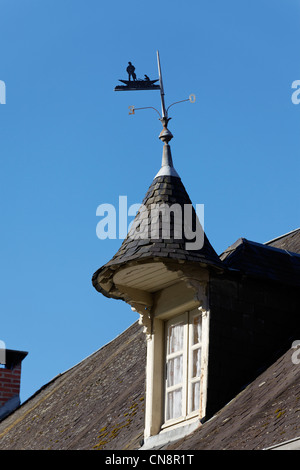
[[163, 190], [264, 261]]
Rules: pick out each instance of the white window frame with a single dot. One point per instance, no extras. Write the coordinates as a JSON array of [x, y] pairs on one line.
[[192, 347], [187, 367]]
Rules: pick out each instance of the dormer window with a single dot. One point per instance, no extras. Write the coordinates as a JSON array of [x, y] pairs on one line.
[[166, 280], [183, 367]]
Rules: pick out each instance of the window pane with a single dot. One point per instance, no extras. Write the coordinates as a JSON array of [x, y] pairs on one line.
[[197, 329], [174, 404], [196, 369], [195, 398], [174, 371], [175, 337]]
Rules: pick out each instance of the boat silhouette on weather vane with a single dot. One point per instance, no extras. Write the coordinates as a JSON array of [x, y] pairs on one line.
[[134, 83]]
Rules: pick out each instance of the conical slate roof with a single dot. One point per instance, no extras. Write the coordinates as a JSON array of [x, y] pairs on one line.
[[167, 238]]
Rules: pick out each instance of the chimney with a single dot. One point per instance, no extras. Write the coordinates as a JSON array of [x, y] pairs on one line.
[[10, 380]]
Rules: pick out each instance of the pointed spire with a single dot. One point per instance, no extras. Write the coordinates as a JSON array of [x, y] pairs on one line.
[[167, 168]]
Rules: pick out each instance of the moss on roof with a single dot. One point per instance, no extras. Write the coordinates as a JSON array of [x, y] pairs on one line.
[[98, 404]]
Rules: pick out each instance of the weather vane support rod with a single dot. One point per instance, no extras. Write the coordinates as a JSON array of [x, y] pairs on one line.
[[162, 93]]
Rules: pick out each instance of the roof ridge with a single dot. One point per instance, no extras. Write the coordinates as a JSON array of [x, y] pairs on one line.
[[281, 236], [244, 241]]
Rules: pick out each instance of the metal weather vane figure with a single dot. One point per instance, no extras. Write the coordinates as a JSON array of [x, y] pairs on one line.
[[147, 84], [136, 84]]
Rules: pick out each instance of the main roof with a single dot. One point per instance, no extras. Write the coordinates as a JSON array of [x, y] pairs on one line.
[[288, 242], [99, 405]]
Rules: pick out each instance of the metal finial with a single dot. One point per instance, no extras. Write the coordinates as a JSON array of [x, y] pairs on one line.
[[165, 135]]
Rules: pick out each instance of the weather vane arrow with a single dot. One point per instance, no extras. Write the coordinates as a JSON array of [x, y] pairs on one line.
[[134, 84]]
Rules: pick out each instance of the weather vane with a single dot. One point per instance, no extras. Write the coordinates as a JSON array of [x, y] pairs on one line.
[[134, 84]]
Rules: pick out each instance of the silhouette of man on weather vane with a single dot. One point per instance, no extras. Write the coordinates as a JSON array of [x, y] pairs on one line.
[[130, 70]]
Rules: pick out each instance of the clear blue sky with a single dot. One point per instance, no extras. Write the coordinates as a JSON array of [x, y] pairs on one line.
[[67, 144]]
